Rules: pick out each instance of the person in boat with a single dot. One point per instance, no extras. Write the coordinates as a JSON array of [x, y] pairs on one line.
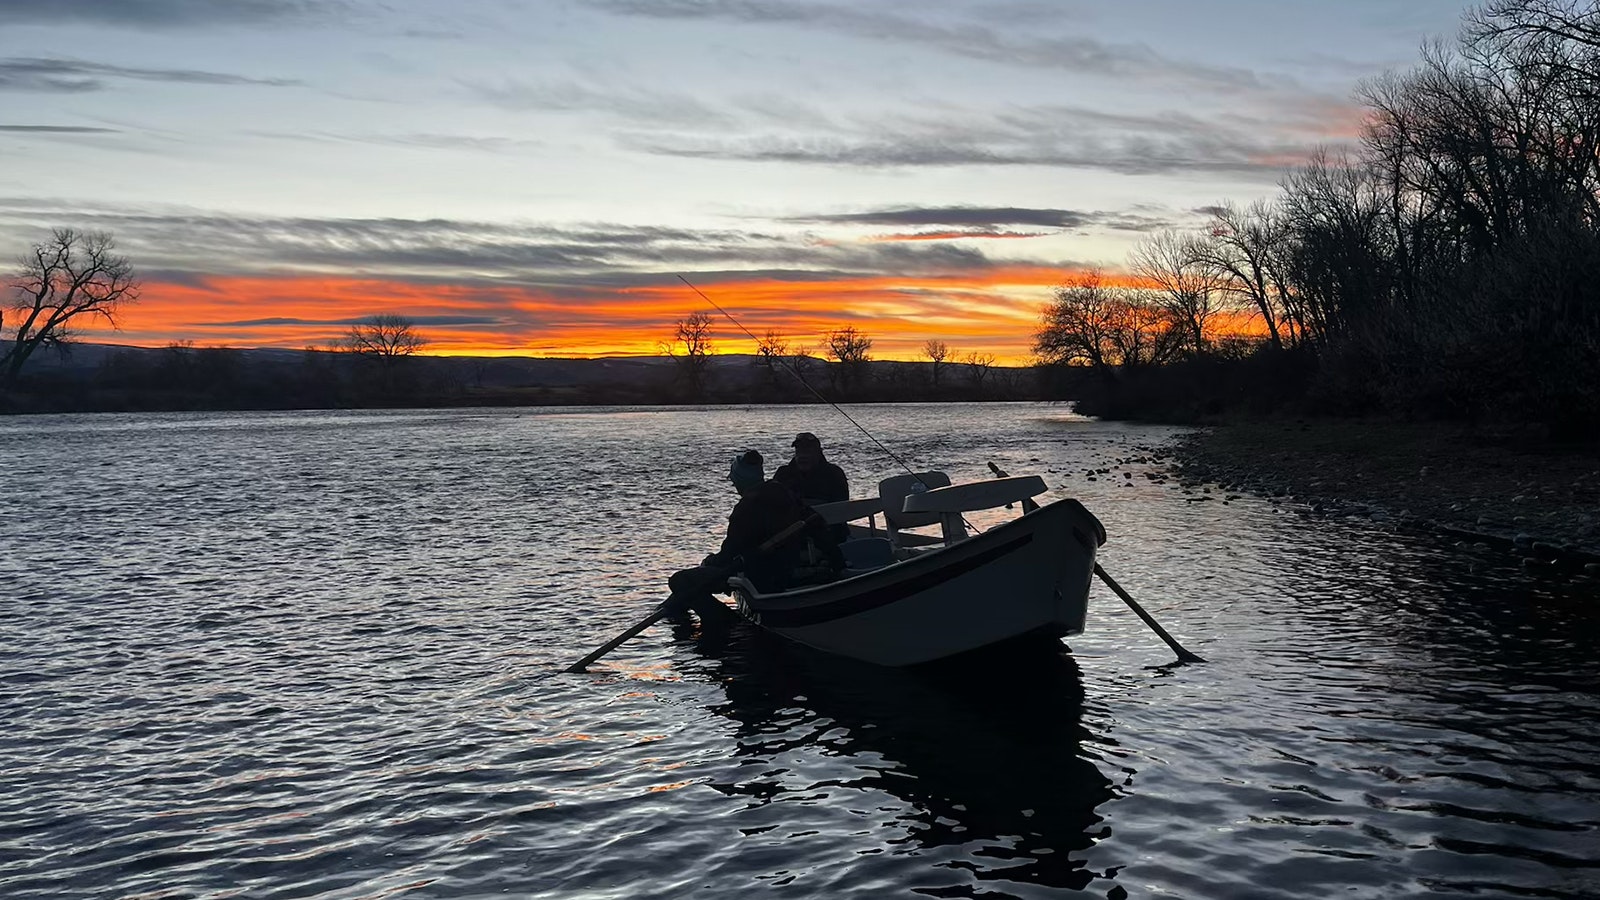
[[765, 508], [813, 479]]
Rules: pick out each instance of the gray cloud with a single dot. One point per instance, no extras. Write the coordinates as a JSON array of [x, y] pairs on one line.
[[1137, 222], [1128, 155], [978, 221], [784, 130], [968, 39], [957, 217], [57, 129], [157, 13], [1237, 144], [597, 257], [77, 76]]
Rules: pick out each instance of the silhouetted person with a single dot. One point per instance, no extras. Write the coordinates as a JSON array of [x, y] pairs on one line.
[[764, 509], [813, 479]]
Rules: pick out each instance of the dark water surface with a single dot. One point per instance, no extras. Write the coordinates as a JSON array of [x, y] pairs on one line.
[[314, 655]]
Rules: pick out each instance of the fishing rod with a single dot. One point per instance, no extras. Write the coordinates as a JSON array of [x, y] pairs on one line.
[[802, 379]]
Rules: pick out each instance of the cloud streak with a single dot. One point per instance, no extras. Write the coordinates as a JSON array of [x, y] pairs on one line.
[[70, 76], [1258, 146], [613, 255], [969, 39], [156, 13], [57, 129], [1268, 121], [1220, 153], [280, 321], [959, 216]]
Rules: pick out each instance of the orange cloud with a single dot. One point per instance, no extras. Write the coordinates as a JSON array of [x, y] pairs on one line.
[[994, 310]]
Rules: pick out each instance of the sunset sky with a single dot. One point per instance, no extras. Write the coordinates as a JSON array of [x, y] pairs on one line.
[[531, 176]]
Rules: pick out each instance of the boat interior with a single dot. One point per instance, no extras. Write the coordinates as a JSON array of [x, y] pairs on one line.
[[918, 500]]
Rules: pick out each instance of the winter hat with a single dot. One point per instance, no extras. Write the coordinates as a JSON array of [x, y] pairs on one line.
[[746, 470]]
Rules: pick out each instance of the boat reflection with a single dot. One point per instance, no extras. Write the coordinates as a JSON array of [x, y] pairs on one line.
[[986, 754]]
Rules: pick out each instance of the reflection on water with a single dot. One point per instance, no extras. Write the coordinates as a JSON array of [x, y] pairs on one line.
[[316, 654], [985, 754]]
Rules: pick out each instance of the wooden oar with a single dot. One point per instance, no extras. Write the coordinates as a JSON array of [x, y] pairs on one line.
[[1183, 655], [1028, 505], [661, 611], [654, 617]]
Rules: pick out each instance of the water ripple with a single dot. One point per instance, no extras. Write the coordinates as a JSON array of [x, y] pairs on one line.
[[315, 655]]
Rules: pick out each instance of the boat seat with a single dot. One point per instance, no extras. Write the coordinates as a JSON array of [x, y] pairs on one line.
[[867, 553], [894, 490]]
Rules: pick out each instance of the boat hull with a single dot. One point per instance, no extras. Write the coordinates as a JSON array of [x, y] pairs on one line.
[[1028, 576]]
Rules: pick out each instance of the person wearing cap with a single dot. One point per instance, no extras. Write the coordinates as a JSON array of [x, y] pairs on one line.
[[764, 509], [813, 479]]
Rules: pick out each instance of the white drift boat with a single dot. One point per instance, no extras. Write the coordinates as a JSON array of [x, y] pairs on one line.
[[908, 598]]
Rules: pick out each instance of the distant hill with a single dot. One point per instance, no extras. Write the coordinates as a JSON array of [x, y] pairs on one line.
[[487, 371], [93, 376]]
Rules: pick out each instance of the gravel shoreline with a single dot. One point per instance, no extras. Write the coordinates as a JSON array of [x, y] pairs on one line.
[[1539, 501]]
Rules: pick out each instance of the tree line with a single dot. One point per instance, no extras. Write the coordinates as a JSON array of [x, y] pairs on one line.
[[1448, 265], [839, 365]]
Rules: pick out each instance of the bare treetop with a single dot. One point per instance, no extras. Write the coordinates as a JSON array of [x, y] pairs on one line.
[[849, 346], [73, 274], [385, 336]]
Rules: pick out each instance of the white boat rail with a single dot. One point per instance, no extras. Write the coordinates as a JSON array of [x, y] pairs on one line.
[[976, 495], [841, 511]]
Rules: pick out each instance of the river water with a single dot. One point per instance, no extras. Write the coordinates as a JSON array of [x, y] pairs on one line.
[[316, 655]]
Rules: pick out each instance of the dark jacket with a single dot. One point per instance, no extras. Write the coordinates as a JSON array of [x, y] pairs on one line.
[[758, 516], [824, 483]]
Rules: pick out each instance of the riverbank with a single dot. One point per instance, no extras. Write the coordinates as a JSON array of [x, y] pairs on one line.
[[1535, 498]]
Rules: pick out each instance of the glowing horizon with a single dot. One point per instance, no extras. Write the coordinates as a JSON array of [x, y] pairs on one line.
[[991, 312], [994, 311]]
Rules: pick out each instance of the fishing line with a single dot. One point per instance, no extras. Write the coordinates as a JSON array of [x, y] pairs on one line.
[[816, 393], [801, 378]]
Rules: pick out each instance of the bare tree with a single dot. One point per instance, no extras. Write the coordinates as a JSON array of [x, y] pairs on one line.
[[979, 367], [1241, 250], [1338, 257], [1184, 287], [772, 350], [384, 342], [71, 275], [691, 347], [1538, 21], [937, 352], [849, 348], [1093, 324], [802, 360], [385, 337], [848, 345]]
